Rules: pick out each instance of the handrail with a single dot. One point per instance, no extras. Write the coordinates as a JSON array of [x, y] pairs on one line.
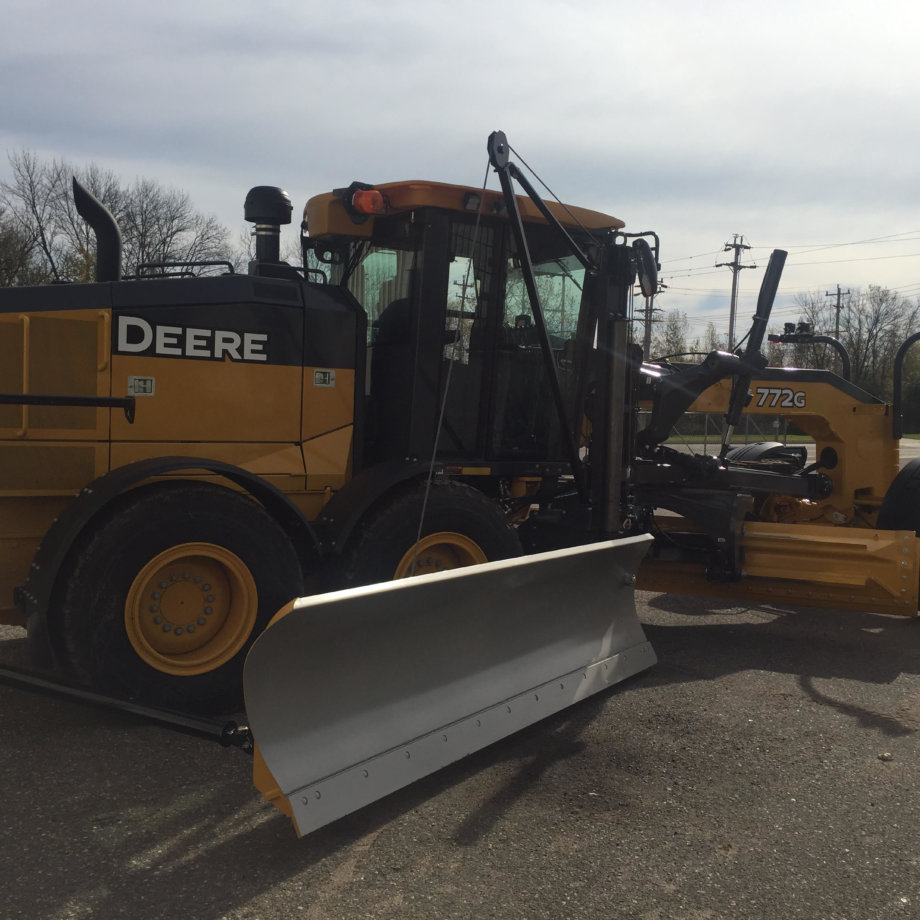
[[99, 402], [897, 421], [808, 338]]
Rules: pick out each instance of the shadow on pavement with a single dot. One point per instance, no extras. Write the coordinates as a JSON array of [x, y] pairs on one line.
[[107, 816], [702, 638]]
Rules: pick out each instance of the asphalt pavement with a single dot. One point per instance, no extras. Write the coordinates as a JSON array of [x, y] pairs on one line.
[[767, 767]]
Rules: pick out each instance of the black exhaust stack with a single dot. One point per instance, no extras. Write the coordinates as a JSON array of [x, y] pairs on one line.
[[108, 236], [268, 208]]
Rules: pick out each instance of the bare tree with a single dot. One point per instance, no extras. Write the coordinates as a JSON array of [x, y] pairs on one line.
[[15, 254], [873, 324], [161, 225], [158, 224], [32, 201]]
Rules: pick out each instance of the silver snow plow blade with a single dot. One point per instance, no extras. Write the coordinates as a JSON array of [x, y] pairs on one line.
[[354, 694]]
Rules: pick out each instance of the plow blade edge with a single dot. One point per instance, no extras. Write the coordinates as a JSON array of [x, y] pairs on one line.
[[354, 694]]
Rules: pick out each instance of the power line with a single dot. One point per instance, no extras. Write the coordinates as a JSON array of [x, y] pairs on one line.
[[699, 255], [904, 236], [697, 273], [787, 303]]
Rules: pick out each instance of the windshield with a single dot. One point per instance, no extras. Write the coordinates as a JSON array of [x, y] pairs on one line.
[[559, 283]]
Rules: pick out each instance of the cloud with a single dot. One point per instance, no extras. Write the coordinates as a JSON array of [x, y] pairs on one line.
[[788, 123]]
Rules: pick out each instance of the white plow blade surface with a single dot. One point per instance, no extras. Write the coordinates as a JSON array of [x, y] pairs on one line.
[[354, 694]]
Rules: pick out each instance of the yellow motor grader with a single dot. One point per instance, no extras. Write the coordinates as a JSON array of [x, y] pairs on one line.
[[446, 390]]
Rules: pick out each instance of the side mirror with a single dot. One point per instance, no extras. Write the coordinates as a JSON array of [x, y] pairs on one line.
[[646, 267]]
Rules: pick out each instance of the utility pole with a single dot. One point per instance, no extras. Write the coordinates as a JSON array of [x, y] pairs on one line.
[[735, 265], [649, 310], [837, 319]]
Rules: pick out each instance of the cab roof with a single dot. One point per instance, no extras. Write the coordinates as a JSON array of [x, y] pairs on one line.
[[327, 214]]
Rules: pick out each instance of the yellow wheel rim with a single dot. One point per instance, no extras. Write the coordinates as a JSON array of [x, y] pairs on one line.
[[191, 609], [439, 552]]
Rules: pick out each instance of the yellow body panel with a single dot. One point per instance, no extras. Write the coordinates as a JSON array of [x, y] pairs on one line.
[[290, 425], [59, 352], [47, 453], [50, 468], [847, 567], [327, 406], [203, 401], [859, 433], [328, 460]]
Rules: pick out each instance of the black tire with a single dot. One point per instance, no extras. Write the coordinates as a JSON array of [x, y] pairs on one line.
[[136, 608], [900, 508], [461, 527]]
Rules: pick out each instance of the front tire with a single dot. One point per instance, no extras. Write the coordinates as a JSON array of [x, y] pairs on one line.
[[900, 509], [167, 591]]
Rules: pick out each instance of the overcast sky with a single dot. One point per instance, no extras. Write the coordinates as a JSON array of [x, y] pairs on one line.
[[793, 123]]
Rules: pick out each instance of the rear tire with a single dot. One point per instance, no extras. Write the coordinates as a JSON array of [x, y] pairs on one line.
[[165, 594], [461, 527]]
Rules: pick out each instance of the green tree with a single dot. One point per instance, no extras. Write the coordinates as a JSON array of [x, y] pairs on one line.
[[669, 337], [712, 340]]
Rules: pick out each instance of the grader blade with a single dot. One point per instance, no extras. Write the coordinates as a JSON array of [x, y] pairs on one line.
[[354, 694]]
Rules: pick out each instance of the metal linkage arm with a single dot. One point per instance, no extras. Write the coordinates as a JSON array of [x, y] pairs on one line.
[[498, 157], [752, 359]]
